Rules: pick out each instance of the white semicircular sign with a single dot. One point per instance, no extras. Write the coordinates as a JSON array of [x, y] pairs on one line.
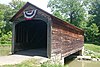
[[29, 14]]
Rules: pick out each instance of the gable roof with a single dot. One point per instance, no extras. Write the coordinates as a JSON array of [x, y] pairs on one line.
[[27, 4]]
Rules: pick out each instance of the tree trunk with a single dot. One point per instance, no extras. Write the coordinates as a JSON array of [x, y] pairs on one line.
[[71, 17]]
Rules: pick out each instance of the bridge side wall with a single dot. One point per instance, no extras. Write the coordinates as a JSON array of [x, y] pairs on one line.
[[56, 55], [65, 39]]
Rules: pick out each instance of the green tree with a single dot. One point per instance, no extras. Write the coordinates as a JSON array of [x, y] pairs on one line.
[[2, 23], [6, 12], [16, 5], [92, 33], [95, 11], [71, 10], [9, 11]]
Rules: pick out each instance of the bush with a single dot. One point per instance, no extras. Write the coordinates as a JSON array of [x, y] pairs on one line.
[[5, 42], [6, 38]]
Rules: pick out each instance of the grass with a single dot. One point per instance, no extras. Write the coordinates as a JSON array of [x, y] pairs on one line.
[[33, 63], [48, 64], [92, 50], [5, 49], [28, 63], [92, 47]]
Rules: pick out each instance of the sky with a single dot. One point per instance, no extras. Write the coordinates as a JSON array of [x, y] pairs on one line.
[[39, 3]]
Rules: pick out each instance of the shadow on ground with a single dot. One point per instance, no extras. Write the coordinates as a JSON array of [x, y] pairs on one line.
[[33, 52]]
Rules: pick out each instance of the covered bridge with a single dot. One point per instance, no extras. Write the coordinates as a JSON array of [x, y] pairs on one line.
[[34, 28]]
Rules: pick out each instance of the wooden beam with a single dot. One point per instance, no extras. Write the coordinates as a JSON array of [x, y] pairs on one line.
[[13, 38], [49, 38]]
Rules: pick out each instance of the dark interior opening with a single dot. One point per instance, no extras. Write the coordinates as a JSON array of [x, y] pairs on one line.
[[31, 34]]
